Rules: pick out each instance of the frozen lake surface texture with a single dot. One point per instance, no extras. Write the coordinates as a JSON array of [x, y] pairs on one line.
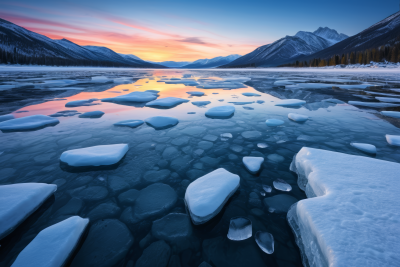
[[131, 167]]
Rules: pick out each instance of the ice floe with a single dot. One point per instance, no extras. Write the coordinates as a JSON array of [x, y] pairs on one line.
[[262, 145], [53, 245], [393, 140], [265, 241], [253, 164], [221, 112], [92, 114], [134, 97], [160, 122], [201, 103], [344, 221], [250, 94], [365, 147], [195, 93], [297, 117], [206, 196], [333, 100], [129, 123], [65, 113], [167, 102], [274, 122], [282, 185], [102, 155], [388, 99], [80, 103], [6, 117], [28, 123], [393, 114], [240, 228], [373, 104], [18, 201], [290, 103]]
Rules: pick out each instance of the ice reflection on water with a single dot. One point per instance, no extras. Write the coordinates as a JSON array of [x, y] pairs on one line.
[[183, 153]]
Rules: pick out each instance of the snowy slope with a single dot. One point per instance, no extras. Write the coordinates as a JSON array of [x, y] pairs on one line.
[[211, 63], [130, 56], [330, 35]]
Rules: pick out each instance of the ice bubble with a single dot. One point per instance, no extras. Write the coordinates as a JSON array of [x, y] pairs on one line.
[[274, 122], [159, 122], [265, 241], [253, 164], [240, 228], [262, 145], [365, 147], [393, 140], [92, 114], [167, 102], [129, 123], [220, 112], [282, 185], [297, 117], [290, 103], [393, 114], [28, 123]]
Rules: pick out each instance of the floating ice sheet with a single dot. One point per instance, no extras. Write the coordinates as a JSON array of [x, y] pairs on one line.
[[6, 117], [274, 122], [134, 97], [80, 103], [250, 94], [201, 103], [297, 117], [92, 114], [393, 114], [393, 140], [373, 104], [167, 102], [265, 241], [160, 122], [282, 185], [368, 148], [195, 93], [129, 123], [240, 228], [220, 112], [290, 103], [28, 123], [388, 99]]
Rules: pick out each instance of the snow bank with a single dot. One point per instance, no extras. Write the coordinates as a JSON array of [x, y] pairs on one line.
[[95, 156], [53, 245], [351, 217], [206, 196], [18, 201], [28, 123]]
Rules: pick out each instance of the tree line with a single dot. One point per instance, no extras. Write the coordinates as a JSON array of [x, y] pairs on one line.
[[390, 53]]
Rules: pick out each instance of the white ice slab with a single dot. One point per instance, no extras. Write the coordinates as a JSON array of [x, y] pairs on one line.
[[297, 117], [253, 164], [388, 99], [54, 245], [95, 156], [373, 104], [6, 117], [206, 196], [353, 213], [290, 103], [221, 111], [18, 201], [393, 140], [134, 97], [92, 114], [160, 122], [368, 148], [393, 114], [28, 123], [274, 122], [167, 102], [129, 123]]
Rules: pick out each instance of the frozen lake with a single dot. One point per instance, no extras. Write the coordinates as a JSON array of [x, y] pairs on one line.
[[178, 155]]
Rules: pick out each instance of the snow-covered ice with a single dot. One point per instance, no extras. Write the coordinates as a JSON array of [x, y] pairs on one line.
[[80, 103], [28, 123], [282, 185], [373, 104], [220, 112], [206, 196], [6, 117], [134, 97], [167, 102], [92, 114], [290, 103], [102, 155], [274, 122], [393, 140], [253, 164], [129, 123], [54, 245], [265, 241], [18, 201], [352, 214], [388, 99], [297, 117], [195, 93], [160, 122], [240, 228], [393, 114], [368, 148]]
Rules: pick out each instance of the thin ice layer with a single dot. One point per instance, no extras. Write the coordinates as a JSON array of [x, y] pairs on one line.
[[353, 217]]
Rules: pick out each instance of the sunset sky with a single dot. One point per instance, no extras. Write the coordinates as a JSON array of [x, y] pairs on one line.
[[159, 30]]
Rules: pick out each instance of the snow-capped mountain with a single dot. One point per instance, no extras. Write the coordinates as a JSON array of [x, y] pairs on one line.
[[211, 63], [130, 56], [28, 43], [287, 49], [172, 64], [330, 35]]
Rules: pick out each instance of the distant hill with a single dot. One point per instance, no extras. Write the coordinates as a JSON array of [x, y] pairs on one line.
[[172, 64], [211, 63]]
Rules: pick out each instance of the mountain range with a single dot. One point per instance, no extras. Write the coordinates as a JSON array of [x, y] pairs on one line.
[[200, 63]]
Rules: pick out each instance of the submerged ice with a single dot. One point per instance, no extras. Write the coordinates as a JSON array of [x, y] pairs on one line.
[[240, 228]]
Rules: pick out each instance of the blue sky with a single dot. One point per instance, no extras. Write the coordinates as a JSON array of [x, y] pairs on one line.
[[188, 30]]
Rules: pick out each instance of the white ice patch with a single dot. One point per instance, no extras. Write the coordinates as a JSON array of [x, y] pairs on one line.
[[54, 245], [373, 104], [297, 117], [388, 99], [167, 102], [6, 117], [28, 123], [159, 122], [103, 155], [206, 196], [274, 122], [393, 140], [18, 201], [134, 97], [365, 147], [393, 114], [282, 185], [352, 215], [290, 103], [240, 228], [221, 111], [253, 164]]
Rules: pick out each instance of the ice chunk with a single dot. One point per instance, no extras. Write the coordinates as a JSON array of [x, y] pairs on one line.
[[241, 103], [262, 145], [53, 245], [290, 103], [195, 93], [365, 147], [167, 102], [92, 114], [388, 99], [393, 114], [206, 196], [373, 104], [103, 155], [274, 122], [282, 185], [279, 203], [135, 97], [393, 140], [253, 164], [159, 122], [267, 188], [297, 117], [221, 112], [6, 117], [250, 94], [18, 201], [80, 103], [240, 228], [129, 123], [265, 241], [201, 103], [28, 123], [352, 210], [65, 113], [332, 100]]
